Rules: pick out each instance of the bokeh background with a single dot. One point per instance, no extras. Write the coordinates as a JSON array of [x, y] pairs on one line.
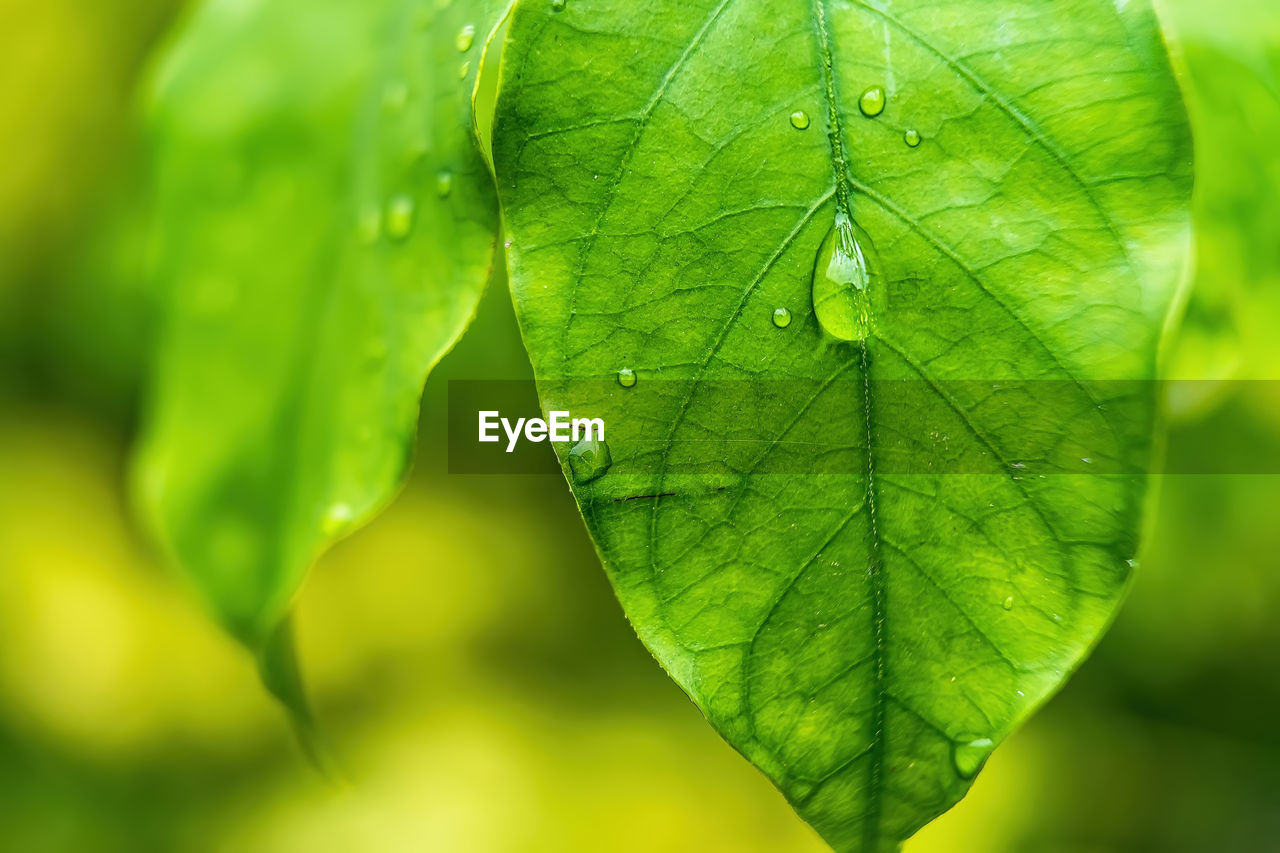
[[468, 660]]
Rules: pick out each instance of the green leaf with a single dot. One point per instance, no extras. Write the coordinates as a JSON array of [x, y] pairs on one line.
[[861, 627], [325, 226], [1232, 81]]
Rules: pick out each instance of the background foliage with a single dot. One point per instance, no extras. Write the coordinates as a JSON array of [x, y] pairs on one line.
[[484, 689]]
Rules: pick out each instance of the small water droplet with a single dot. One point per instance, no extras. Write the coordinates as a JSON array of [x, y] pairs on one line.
[[464, 69], [400, 217], [1133, 564], [337, 518], [872, 101], [627, 377], [968, 756], [800, 120], [845, 275], [466, 38], [781, 318], [557, 5], [912, 138], [589, 460], [444, 184], [1008, 603]]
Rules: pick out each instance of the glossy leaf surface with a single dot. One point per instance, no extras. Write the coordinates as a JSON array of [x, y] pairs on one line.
[[324, 229], [868, 542]]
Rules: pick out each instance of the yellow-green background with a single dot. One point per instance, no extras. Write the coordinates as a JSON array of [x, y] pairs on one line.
[[469, 663]]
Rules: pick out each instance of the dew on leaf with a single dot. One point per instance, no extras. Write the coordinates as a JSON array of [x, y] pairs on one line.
[[912, 138], [463, 70], [872, 101], [968, 756], [627, 377], [444, 184], [337, 518], [845, 274], [589, 460], [400, 217], [800, 120], [466, 38], [557, 5], [1008, 603], [781, 318]]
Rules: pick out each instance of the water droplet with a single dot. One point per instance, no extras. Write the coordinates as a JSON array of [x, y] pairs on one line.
[[400, 217], [800, 120], [1008, 603], [872, 101], [912, 138], [466, 38], [464, 69], [1133, 564], [337, 518], [845, 275], [968, 756], [557, 5], [444, 184], [627, 377], [781, 318], [589, 460]]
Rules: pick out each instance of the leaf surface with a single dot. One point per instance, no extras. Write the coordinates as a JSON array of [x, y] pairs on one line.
[[325, 226], [869, 541]]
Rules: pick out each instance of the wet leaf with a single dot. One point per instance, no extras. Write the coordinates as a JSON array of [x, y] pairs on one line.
[[865, 541], [324, 227]]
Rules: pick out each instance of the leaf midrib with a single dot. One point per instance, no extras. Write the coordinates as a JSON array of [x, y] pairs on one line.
[[843, 182]]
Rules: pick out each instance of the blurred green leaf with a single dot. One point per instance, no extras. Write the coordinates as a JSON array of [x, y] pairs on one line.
[[669, 172], [1231, 62], [325, 227]]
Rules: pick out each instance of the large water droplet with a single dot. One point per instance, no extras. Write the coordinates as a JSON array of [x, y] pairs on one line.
[[589, 460], [872, 101], [912, 138], [557, 5], [845, 276], [400, 217], [781, 318], [627, 377], [968, 756], [466, 38], [800, 120]]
